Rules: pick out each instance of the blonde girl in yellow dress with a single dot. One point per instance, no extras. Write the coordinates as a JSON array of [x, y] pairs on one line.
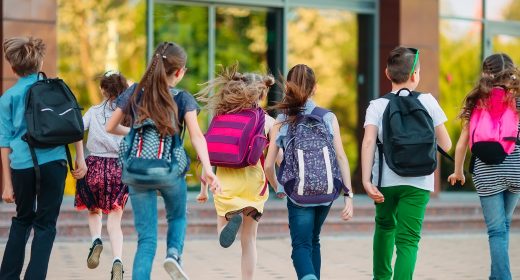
[[240, 200]]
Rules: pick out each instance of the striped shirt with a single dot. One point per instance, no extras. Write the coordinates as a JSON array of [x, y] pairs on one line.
[[490, 179]]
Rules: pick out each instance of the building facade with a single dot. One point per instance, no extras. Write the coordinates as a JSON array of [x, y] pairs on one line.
[[345, 41]]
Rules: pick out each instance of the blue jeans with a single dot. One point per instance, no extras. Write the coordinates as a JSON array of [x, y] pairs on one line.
[[498, 210], [305, 227], [144, 206]]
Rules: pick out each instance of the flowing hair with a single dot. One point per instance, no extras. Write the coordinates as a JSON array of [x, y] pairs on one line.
[[298, 88], [155, 101], [498, 70], [232, 91]]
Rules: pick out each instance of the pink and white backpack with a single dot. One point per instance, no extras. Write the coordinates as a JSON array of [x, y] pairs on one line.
[[494, 128]]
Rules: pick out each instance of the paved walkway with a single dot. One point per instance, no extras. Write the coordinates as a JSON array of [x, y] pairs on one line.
[[442, 257]]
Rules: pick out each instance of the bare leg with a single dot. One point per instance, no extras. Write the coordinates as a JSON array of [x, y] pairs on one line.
[[95, 223], [115, 233], [248, 241], [221, 223]]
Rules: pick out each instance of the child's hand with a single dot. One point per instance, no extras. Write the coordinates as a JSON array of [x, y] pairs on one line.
[[348, 212], [8, 193], [453, 178], [374, 193], [211, 179], [202, 197], [81, 169], [281, 195]]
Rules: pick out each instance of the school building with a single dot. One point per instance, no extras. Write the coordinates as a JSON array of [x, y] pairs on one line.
[[345, 41]]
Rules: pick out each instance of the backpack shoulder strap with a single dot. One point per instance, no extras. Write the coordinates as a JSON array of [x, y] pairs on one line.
[[388, 96], [319, 112], [415, 94]]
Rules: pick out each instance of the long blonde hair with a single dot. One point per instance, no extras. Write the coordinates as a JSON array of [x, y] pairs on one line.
[[232, 91]]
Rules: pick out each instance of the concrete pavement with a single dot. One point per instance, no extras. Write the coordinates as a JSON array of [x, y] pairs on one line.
[[441, 257]]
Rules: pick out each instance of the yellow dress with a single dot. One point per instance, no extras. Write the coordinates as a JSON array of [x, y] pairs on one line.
[[244, 190]]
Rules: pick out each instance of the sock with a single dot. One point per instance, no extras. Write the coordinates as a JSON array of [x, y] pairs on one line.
[[117, 258]]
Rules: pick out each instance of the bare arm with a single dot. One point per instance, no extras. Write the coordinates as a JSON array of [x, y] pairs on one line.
[[460, 154], [443, 138], [8, 193], [344, 166], [81, 167], [201, 147], [368, 149], [114, 123], [272, 157], [348, 210]]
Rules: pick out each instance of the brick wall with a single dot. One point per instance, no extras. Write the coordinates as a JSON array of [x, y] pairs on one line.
[[29, 18]]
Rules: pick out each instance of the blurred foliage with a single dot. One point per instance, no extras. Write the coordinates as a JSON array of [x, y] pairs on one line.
[[326, 40]]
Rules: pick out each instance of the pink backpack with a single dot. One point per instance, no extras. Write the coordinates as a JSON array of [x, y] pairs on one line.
[[493, 128], [237, 139]]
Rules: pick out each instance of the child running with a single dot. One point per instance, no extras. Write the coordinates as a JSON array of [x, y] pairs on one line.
[[170, 109], [240, 201], [490, 110], [103, 191], [35, 210], [314, 170], [400, 183]]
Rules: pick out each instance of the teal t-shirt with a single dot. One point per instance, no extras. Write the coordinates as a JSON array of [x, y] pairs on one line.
[[13, 127]]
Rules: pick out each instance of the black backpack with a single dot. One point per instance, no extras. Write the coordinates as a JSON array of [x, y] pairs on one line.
[[409, 144], [53, 118]]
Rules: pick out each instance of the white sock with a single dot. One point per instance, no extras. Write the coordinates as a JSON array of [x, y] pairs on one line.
[[117, 258], [95, 237]]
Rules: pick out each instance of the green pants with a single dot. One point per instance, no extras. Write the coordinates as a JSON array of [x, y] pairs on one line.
[[398, 222]]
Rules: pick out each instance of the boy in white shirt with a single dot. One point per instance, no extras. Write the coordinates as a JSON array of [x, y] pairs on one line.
[[400, 200]]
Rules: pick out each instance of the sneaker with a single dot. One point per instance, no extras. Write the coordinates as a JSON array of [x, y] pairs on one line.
[[229, 232], [95, 252], [173, 268], [117, 270]]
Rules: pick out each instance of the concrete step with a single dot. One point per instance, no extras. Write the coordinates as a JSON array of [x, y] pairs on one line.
[[443, 215], [274, 226]]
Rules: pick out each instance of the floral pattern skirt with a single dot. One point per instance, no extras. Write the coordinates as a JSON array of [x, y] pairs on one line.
[[103, 185]]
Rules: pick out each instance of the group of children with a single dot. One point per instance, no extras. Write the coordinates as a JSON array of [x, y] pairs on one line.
[[304, 144]]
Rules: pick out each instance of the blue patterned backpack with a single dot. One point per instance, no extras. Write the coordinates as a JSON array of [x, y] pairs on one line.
[[149, 160], [309, 171]]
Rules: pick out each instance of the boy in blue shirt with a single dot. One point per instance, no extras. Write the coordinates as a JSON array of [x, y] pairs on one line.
[[33, 211]]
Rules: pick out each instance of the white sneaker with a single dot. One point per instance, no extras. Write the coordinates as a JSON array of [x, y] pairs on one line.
[[174, 269]]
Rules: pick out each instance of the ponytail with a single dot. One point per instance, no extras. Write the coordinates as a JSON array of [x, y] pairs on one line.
[[155, 101], [298, 88]]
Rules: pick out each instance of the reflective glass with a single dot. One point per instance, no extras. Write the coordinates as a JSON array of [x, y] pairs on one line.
[[327, 41], [462, 8], [503, 10], [241, 35]]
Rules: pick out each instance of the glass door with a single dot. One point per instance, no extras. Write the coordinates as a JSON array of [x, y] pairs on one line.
[[503, 37]]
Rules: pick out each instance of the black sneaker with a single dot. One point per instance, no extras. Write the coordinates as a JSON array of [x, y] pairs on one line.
[[174, 269], [117, 270], [229, 232], [95, 252]]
